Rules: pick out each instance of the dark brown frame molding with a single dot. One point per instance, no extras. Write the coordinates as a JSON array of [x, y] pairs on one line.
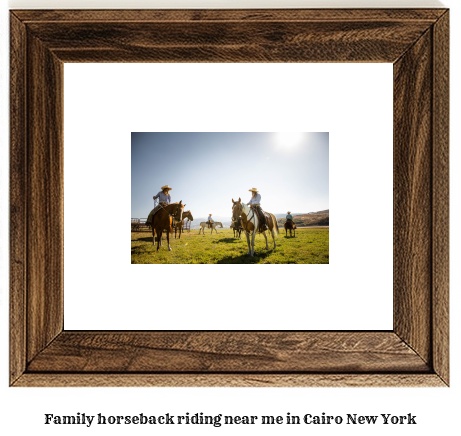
[[414, 353]]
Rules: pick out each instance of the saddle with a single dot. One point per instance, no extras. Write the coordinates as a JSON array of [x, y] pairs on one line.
[[154, 211], [262, 218]]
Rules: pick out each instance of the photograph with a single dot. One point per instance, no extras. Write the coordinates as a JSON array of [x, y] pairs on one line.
[[230, 198]]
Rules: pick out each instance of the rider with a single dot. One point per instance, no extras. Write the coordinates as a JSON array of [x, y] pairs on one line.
[[289, 217], [209, 221], [164, 199], [255, 203]]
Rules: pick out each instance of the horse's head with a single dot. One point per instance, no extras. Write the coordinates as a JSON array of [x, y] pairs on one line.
[[237, 209], [179, 210], [189, 215]]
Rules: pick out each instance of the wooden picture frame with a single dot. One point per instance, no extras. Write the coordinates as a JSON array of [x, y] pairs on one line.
[[414, 353]]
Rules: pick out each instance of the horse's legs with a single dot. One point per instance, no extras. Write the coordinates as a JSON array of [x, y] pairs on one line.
[[253, 235], [248, 242], [265, 237], [168, 240], [273, 236]]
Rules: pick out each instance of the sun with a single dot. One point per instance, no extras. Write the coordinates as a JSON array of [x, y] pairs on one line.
[[289, 139]]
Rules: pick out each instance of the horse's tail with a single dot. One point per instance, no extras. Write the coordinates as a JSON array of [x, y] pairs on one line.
[[276, 226]]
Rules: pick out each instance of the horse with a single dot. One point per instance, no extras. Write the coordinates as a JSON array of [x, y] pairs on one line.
[[250, 224], [163, 220], [204, 225], [178, 225], [290, 225], [237, 227]]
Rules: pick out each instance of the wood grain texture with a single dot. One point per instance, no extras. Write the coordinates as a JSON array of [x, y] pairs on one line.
[[440, 205], [184, 15], [413, 196], [414, 354], [230, 380], [18, 192], [241, 41], [234, 352], [45, 220]]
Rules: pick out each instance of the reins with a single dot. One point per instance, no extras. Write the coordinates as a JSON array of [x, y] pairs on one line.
[[175, 214]]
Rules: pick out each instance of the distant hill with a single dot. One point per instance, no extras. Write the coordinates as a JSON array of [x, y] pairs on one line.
[[283, 215], [321, 218]]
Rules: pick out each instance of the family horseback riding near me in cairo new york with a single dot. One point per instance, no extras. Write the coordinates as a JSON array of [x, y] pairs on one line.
[[247, 217]]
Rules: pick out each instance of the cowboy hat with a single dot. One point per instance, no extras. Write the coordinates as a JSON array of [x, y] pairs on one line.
[[253, 190], [166, 187], [210, 214], [288, 212]]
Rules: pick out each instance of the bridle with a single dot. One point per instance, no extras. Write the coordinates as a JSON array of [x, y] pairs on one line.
[[248, 219], [177, 213], [233, 214]]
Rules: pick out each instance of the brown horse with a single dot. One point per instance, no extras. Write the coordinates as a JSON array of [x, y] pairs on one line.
[[290, 225], [163, 219], [250, 224], [178, 225], [237, 227]]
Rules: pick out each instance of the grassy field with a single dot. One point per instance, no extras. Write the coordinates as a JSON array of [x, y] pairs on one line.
[[309, 246]]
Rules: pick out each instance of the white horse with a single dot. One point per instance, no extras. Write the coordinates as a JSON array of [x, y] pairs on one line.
[[204, 225], [250, 224]]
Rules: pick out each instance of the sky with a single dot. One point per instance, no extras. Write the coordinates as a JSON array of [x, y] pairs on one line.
[[207, 170]]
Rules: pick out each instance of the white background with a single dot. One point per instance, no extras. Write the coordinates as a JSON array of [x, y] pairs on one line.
[[22, 410], [351, 101]]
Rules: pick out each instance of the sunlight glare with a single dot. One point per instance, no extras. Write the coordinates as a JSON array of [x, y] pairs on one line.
[[289, 139]]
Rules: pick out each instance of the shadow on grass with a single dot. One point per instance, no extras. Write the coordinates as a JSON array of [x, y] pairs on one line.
[[245, 258], [143, 240], [226, 240], [289, 237], [138, 251]]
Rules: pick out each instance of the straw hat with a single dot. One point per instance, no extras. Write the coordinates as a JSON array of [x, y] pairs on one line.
[[253, 190], [288, 212], [210, 214], [166, 187]]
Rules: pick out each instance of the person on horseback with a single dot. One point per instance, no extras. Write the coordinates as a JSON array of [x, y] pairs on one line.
[[209, 221], [164, 199], [255, 203], [289, 217]]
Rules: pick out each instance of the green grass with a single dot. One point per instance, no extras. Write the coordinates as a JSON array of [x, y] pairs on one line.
[[309, 246]]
